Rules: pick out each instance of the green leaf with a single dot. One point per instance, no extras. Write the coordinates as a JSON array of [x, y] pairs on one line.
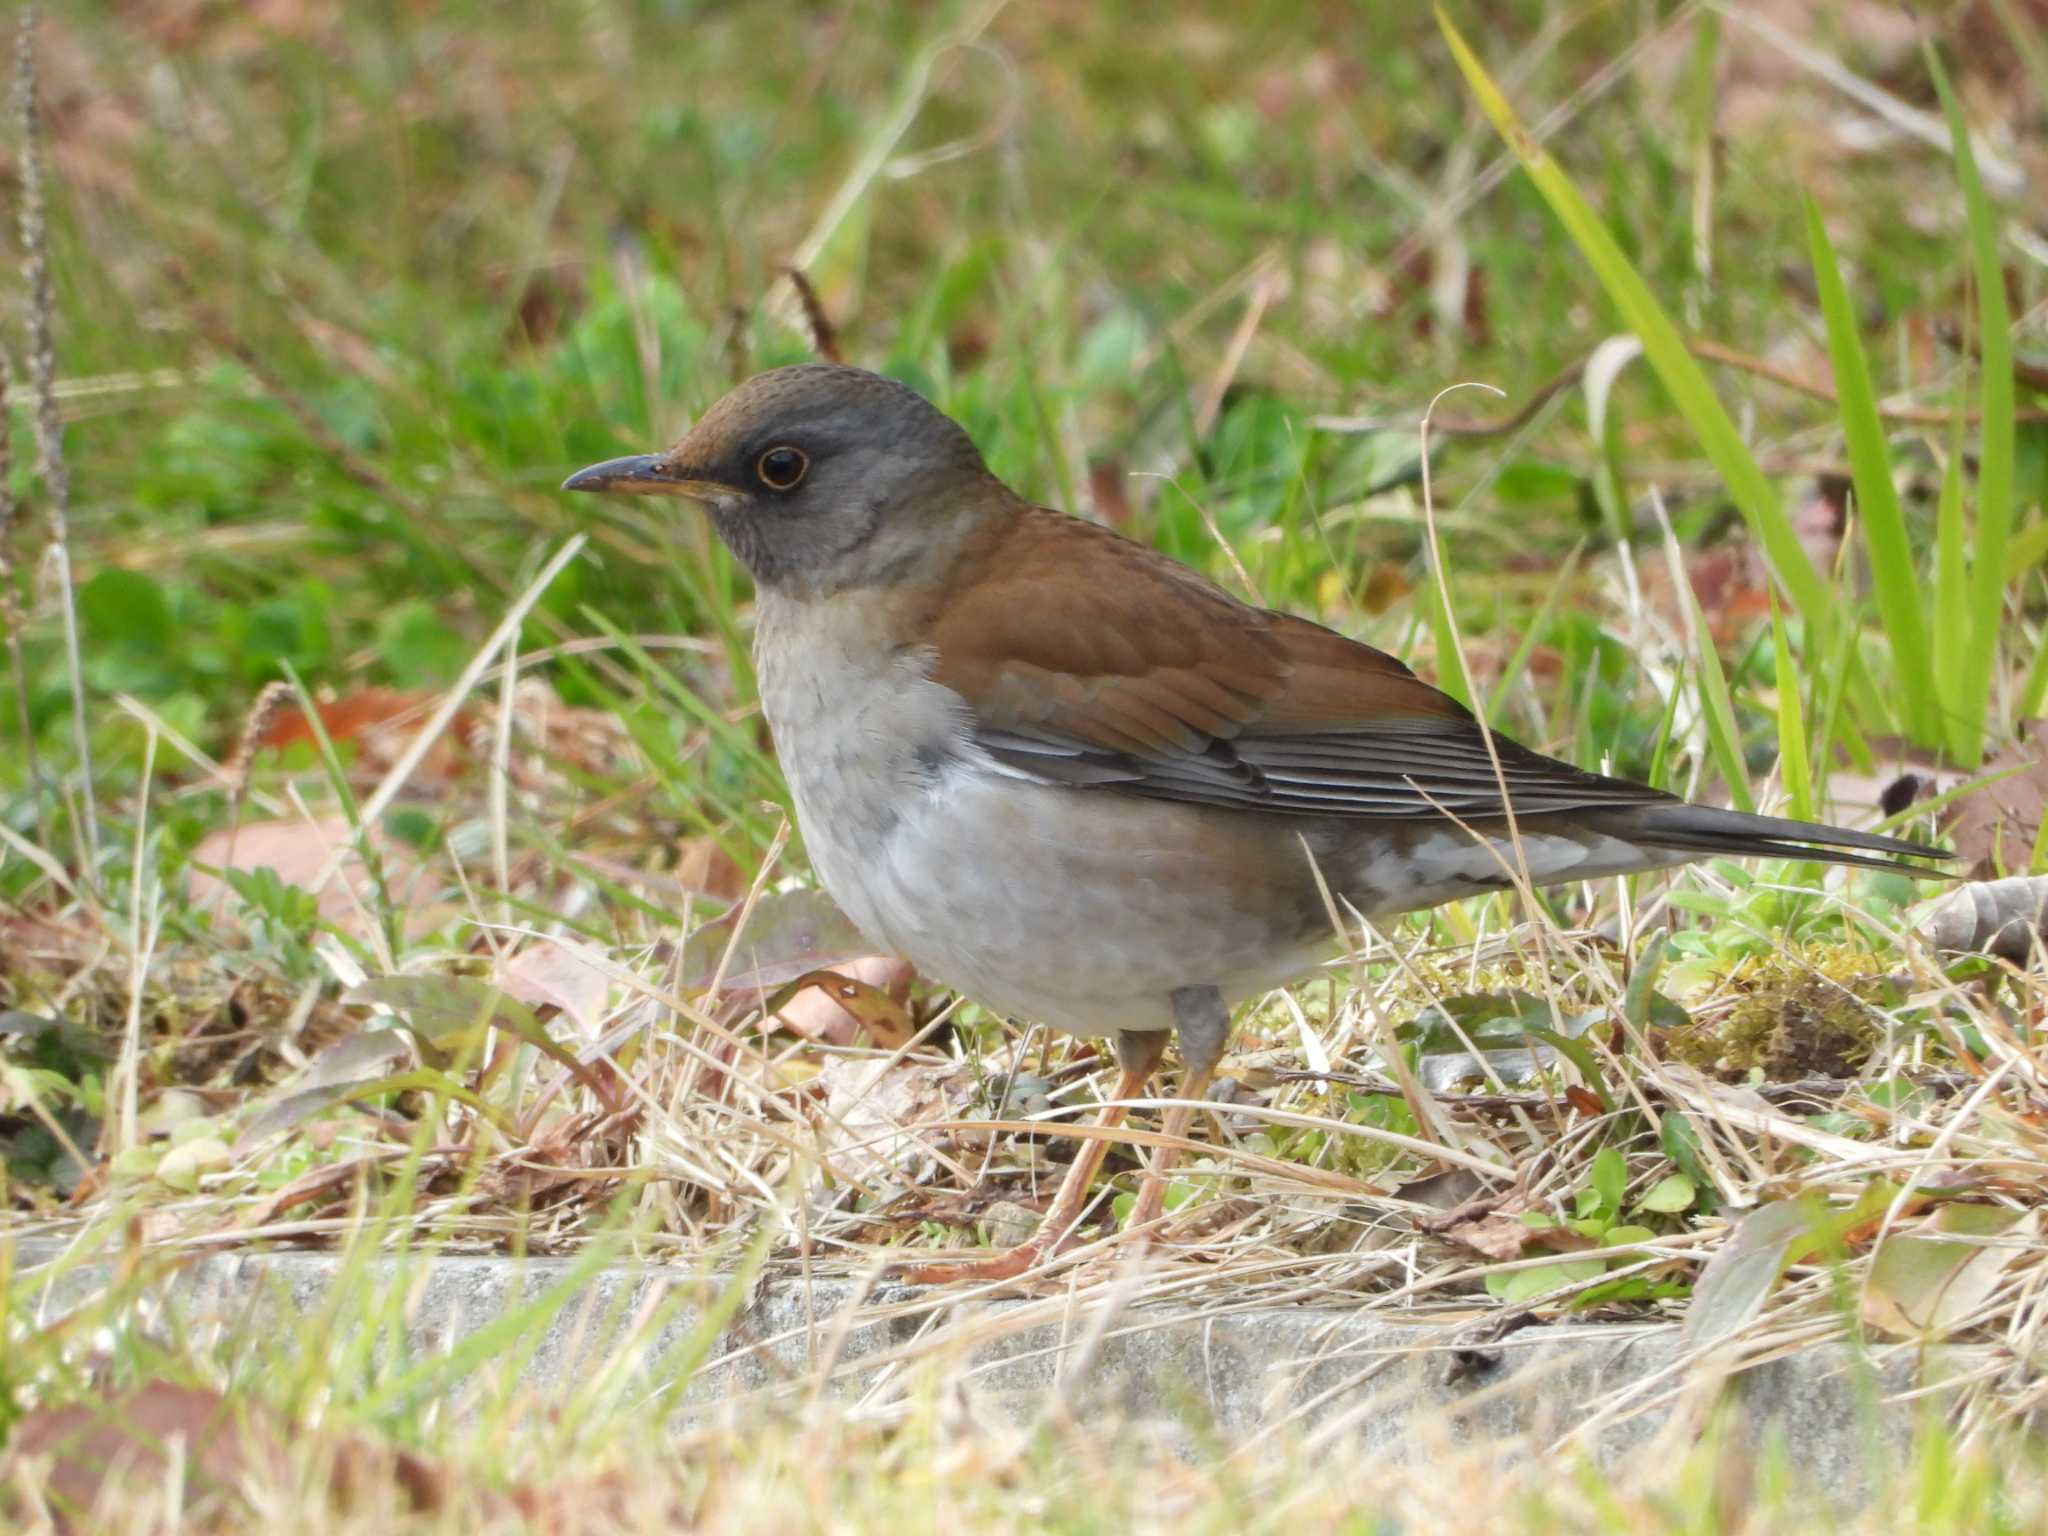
[[1610, 1178], [1516, 1286], [1952, 600], [419, 650], [126, 609], [1669, 1195]]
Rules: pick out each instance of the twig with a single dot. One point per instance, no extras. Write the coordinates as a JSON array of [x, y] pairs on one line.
[[10, 603], [42, 362], [1701, 347], [824, 338]]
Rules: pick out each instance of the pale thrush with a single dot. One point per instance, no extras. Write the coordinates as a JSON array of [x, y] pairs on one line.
[[1081, 784]]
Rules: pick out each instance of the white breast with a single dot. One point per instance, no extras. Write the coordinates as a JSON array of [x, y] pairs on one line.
[[1080, 910]]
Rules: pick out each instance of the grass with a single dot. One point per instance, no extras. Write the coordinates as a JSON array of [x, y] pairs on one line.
[[339, 296]]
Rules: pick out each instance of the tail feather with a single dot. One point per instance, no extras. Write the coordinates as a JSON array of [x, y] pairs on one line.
[[1707, 830]]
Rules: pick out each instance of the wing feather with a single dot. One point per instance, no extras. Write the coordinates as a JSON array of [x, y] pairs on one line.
[[1112, 667]]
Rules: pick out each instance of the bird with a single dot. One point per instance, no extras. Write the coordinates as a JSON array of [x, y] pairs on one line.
[[1078, 782]]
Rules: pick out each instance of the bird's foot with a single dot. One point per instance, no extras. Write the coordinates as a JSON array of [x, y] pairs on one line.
[[974, 1267]]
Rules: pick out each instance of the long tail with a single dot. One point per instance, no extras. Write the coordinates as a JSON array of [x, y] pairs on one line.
[[1704, 830]]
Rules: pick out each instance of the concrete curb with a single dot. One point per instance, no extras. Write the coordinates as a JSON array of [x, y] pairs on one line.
[[1388, 1386]]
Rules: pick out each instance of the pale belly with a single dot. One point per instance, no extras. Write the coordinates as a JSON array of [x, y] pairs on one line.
[[1085, 909], [1082, 910]]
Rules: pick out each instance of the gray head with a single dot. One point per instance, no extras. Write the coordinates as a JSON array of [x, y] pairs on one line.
[[817, 476]]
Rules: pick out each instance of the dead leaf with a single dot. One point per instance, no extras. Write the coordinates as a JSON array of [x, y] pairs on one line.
[[562, 973], [2005, 918], [876, 1109], [865, 995], [114, 1453], [117, 1449], [1996, 824], [1932, 1280], [380, 722], [703, 866], [786, 935], [296, 851], [1500, 1234]]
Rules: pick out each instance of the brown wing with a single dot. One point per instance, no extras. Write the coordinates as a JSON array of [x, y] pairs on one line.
[[1091, 661]]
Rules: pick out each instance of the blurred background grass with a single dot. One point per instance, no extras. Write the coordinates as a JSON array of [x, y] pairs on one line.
[[346, 289]]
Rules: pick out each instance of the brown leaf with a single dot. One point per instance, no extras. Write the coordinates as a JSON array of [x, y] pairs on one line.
[[860, 995], [297, 850], [1500, 1234], [118, 1446], [703, 866], [1995, 825], [114, 1453], [877, 1108], [1583, 1099], [1994, 917], [380, 721], [563, 973]]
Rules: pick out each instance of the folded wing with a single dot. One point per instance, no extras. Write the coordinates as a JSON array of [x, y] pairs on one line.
[[1129, 672]]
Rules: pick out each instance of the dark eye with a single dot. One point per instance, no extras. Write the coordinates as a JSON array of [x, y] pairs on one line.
[[781, 468]]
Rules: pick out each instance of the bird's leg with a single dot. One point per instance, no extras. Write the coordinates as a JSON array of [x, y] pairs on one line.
[[1203, 1024], [1138, 1053]]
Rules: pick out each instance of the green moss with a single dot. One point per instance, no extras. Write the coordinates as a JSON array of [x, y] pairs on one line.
[[1814, 1012]]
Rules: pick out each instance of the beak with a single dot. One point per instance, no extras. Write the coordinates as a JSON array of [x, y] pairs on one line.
[[643, 474]]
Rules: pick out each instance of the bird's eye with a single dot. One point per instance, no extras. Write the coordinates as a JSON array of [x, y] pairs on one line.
[[781, 468]]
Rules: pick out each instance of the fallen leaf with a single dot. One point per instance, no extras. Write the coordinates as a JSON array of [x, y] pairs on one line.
[[296, 852], [2005, 918], [876, 1110], [1996, 823], [561, 973], [380, 722], [116, 1450], [114, 1453], [860, 996], [1500, 1234], [703, 866], [1929, 1281], [449, 1017], [1739, 1278], [785, 936]]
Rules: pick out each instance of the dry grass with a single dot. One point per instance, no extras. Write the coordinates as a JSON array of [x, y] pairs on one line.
[[521, 980]]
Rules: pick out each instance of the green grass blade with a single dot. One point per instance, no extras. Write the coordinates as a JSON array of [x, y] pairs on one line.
[[1877, 500], [1995, 443], [1793, 766], [1717, 710], [1952, 603], [1665, 348], [1450, 666], [2034, 691]]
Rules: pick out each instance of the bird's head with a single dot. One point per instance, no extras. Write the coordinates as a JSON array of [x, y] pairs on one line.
[[818, 477]]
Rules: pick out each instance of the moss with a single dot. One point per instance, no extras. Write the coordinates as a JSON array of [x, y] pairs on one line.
[[1803, 1013]]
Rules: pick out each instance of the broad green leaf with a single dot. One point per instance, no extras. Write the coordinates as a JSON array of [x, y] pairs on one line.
[[1668, 1195], [1610, 1178], [1516, 1286]]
